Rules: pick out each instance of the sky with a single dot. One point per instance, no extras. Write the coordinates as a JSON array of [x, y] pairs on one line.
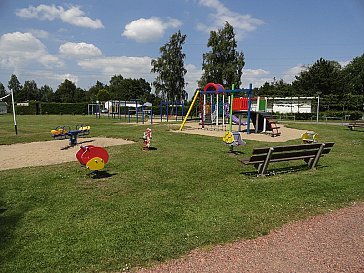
[[91, 40]]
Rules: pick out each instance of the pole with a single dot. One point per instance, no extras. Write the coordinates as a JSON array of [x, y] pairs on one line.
[[189, 110], [136, 110], [318, 109], [217, 108], [231, 108], [167, 110], [12, 100], [161, 110], [183, 109], [249, 107], [223, 110], [151, 115]]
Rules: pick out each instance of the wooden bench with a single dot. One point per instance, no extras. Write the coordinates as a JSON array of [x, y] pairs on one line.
[[356, 123], [310, 153]]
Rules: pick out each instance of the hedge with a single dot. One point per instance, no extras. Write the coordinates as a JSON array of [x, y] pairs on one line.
[[52, 108], [63, 108]]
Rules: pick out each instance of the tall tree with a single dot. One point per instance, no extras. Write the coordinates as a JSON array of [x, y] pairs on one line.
[[127, 89], [276, 89], [46, 93], [353, 75], [65, 92], [323, 77], [14, 85], [170, 81], [223, 64], [2, 90], [29, 91], [94, 90], [115, 88]]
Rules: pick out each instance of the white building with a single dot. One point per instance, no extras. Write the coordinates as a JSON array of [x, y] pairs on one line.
[[292, 105]]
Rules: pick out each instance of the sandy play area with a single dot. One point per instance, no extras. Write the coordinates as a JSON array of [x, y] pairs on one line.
[[286, 133], [53, 152], [48, 152]]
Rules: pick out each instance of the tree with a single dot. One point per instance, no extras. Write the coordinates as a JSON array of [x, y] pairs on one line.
[[2, 90], [14, 85], [223, 64], [46, 94], [170, 82], [275, 89], [128, 89], [115, 88], [94, 90], [28, 92], [353, 75], [323, 77], [65, 92], [103, 95]]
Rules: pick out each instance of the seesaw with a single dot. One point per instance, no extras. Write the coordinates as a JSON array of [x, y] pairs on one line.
[[63, 132], [92, 157]]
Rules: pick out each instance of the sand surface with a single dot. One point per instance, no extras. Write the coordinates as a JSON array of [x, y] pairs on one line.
[[48, 152], [286, 133]]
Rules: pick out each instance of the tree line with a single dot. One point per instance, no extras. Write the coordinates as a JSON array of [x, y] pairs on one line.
[[340, 87]]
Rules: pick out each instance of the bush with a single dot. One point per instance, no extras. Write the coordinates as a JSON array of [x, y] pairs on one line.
[[351, 115], [31, 109], [63, 108]]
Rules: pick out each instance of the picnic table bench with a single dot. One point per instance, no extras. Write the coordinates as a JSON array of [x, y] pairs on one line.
[[356, 123], [310, 153]]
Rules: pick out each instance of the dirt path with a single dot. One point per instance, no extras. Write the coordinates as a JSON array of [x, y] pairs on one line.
[[326, 243], [48, 152]]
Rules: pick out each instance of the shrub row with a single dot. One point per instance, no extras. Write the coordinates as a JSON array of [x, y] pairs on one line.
[[52, 108]]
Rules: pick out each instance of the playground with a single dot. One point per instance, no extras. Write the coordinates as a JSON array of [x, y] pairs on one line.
[[287, 133], [155, 206]]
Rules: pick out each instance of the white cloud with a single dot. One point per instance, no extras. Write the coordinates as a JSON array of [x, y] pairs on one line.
[[52, 78], [130, 67], [344, 63], [79, 50], [242, 23], [18, 49], [147, 30], [257, 77], [73, 15], [39, 33], [289, 75], [192, 76]]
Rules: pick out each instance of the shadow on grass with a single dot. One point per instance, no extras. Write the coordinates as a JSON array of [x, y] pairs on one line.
[[284, 170], [150, 149], [9, 220], [235, 152], [101, 174]]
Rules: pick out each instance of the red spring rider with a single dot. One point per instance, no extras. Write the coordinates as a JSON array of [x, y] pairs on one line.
[[94, 158]]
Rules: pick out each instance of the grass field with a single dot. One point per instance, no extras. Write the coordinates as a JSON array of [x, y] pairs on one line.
[[159, 204]]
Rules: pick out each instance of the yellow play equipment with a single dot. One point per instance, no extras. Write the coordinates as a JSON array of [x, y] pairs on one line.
[[309, 137], [59, 131], [189, 110]]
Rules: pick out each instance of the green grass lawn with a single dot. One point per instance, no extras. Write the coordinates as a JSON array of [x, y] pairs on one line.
[[159, 204]]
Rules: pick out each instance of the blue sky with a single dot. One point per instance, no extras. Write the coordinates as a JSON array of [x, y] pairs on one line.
[[89, 40]]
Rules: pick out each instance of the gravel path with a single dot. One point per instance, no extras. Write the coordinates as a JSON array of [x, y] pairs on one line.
[[326, 243]]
